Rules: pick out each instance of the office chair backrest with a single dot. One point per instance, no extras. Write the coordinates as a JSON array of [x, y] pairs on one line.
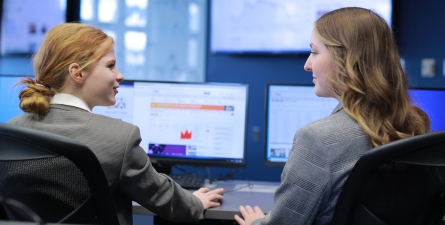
[[401, 182], [22, 148]]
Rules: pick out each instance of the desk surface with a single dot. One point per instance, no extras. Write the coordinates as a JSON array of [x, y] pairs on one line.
[[259, 194]]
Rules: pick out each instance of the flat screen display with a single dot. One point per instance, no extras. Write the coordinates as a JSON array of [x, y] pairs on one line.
[[24, 24], [186, 123], [274, 26], [9, 97], [289, 107]]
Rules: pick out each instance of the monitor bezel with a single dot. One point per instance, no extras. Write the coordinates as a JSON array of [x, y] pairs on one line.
[[202, 162]]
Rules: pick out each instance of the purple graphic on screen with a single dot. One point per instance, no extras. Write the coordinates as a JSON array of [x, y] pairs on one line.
[[162, 149]]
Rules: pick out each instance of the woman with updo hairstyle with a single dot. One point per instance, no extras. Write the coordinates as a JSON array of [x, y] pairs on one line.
[[355, 60], [75, 70]]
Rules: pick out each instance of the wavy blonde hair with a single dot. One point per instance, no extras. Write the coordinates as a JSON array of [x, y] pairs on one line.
[[63, 45], [368, 76]]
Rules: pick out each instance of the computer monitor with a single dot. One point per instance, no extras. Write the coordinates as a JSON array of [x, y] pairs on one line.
[[9, 96], [289, 107], [431, 101], [201, 124]]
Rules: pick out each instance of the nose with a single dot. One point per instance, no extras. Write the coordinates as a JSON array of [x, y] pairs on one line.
[[308, 65], [119, 77]]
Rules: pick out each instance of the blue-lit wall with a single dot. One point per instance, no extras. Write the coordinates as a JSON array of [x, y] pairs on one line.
[[420, 32]]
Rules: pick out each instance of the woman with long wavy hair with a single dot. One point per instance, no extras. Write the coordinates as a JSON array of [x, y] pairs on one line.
[[353, 59]]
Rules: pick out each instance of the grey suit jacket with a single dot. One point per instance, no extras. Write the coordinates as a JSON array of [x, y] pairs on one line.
[[130, 175], [322, 155]]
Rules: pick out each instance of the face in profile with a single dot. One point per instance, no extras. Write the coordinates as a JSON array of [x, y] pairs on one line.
[[102, 80], [318, 63]]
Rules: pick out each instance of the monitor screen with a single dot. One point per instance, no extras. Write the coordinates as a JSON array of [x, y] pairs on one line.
[[274, 26], [9, 97], [289, 107], [24, 24], [186, 123], [431, 101]]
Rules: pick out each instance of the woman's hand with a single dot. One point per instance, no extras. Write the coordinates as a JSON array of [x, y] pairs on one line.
[[209, 198], [249, 214]]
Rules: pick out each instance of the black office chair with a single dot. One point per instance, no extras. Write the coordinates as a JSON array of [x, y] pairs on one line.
[[19, 209], [36, 165], [402, 182]]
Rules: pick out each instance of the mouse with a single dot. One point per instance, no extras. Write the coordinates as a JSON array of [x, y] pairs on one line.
[[220, 201]]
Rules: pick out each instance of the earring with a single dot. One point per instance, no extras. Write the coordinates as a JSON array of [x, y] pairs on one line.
[[79, 84]]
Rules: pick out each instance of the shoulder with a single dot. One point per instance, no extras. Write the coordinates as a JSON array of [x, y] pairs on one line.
[[111, 123], [21, 119], [335, 128]]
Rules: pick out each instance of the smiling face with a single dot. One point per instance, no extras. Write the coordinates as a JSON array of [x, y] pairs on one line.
[[102, 79], [318, 63]]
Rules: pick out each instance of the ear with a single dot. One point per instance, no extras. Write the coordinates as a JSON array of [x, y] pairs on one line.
[[75, 74]]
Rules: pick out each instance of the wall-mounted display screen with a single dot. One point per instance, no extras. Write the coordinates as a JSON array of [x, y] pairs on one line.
[[274, 26], [24, 24], [155, 39]]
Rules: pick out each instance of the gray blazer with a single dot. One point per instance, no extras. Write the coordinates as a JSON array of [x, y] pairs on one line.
[[322, 155], [130, 175]]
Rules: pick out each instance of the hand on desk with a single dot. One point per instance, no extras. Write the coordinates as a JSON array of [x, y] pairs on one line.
[[208, 197], [249, 214]]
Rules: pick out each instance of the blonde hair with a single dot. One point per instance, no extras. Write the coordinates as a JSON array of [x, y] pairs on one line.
[[368, 76], [63, 45]]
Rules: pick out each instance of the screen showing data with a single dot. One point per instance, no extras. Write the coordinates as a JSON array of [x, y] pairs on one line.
[[274, 26], [186, 123], [289, 107]]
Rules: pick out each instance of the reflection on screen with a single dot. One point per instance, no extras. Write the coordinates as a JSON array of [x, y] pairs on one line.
[[185, 121], [289, 107]]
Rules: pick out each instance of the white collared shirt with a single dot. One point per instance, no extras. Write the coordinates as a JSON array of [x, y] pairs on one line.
[[71, 100]]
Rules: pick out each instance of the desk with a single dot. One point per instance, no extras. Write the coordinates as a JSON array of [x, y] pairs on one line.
[[261, 194]]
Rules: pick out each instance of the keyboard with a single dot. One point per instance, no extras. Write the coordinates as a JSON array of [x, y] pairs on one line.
[[189, 181]]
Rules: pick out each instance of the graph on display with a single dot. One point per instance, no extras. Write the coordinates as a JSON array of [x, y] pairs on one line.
[[186, 134], [274, 25]]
